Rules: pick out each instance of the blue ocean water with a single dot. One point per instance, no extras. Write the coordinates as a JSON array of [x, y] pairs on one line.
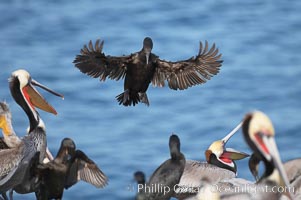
[[260, 42]]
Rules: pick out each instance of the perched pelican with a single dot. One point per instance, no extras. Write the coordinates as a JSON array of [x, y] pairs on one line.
[[10, 140], [220, 165], [259, 134], [15, 164], [143, 67], [162, 182], [68, 167]]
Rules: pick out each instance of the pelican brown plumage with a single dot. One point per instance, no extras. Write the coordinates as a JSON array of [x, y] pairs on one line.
[[10, 139], [68, 167], [220, 165], [259, 133], [15, 164], [141, 68]]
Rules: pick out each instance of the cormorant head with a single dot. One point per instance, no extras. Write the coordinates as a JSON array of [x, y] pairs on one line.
[[139, 176], [68, 147], [174, 146], [147, 47]]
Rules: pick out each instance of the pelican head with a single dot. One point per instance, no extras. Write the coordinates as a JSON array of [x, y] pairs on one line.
[[223, 157], [5, 119], [259, 134], [23, 91]]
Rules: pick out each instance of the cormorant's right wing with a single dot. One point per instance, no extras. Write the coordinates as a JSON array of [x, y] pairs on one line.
[[83, 168], [96, 64]]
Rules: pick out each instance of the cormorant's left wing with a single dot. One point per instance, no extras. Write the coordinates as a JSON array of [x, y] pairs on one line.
[[85, 169], [93, 62], [186, 73]]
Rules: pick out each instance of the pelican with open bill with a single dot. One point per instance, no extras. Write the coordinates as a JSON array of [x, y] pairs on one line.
[[220, 165], [141, 68], [15, 163]]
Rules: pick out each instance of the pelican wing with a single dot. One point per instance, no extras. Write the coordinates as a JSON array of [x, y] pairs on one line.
[[195, 171], [10, 162], [96, 64], [82, 168], [187, 73], [293, 170]]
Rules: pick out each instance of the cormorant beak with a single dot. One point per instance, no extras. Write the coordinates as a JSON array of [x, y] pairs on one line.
[[147, 48], [147, 57], [36, 99], [49, 154], [267, 146]]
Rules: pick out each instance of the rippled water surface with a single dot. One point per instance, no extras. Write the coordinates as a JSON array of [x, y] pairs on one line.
[[260, 42]]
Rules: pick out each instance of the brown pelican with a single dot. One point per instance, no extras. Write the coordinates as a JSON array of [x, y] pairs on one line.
[[162, 182], [259, 134], [143, 67], [220, 165], [68, 167], [15, 164], [10, 139]]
